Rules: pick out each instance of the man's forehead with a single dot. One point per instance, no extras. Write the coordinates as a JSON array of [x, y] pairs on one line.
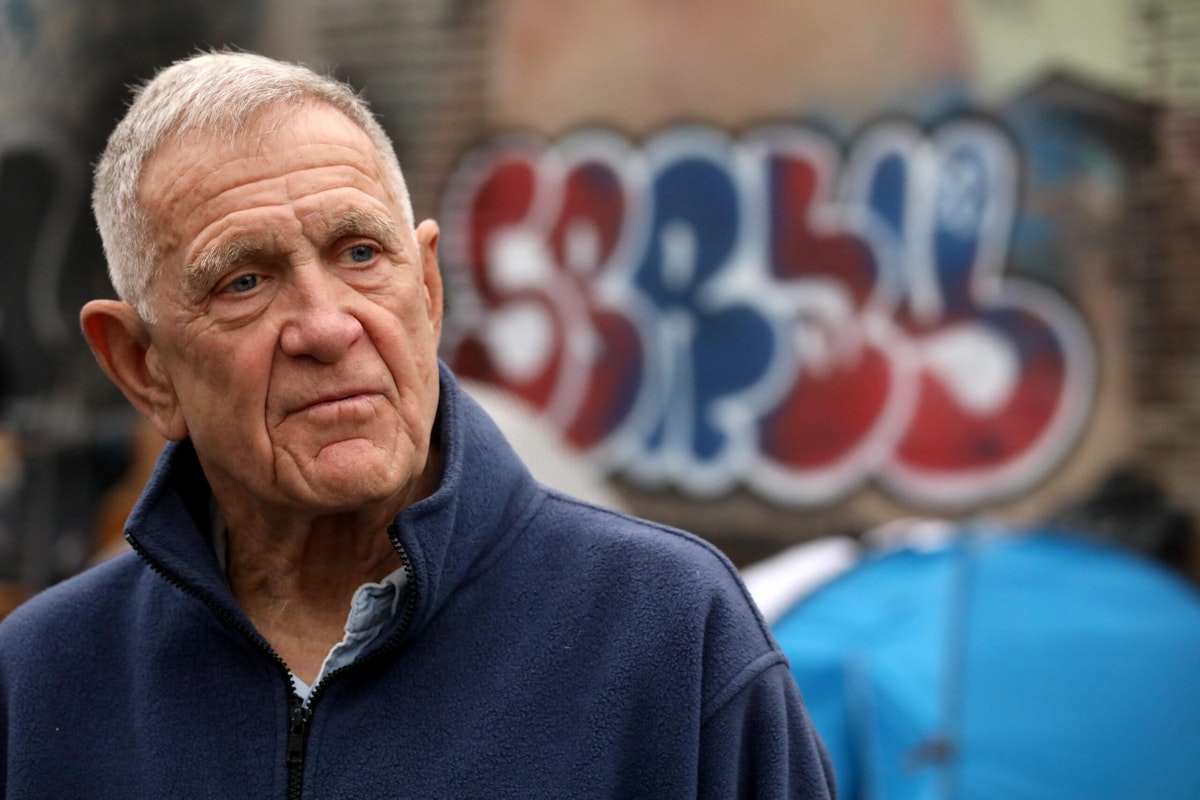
[[217, 202], [197, 152], [315, 149]]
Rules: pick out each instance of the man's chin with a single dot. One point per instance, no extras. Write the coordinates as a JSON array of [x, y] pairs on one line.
[[352, 476]]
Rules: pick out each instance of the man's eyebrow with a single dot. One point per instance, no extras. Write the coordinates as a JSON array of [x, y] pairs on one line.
[[211, 263], [362, 223]]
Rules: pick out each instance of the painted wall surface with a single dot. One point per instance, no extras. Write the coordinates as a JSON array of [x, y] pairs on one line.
[[789, 268], [1014, 42], [782, 268], [705, 311]]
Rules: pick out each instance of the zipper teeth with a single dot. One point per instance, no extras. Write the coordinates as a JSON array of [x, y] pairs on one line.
[[298, 721]]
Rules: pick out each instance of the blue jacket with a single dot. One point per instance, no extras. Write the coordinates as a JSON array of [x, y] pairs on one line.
[[548, 649]]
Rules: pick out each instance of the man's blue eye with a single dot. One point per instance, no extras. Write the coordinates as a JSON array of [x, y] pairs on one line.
[[362, 253], [243, 283]]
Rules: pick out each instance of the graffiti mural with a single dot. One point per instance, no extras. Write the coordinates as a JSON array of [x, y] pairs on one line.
[[772, 310]]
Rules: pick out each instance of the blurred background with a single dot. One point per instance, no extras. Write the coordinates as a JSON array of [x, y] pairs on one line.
[[773, 269], [810, 278]]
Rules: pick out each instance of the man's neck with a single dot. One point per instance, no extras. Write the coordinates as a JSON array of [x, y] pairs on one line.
[[294, 575], [296, 586]]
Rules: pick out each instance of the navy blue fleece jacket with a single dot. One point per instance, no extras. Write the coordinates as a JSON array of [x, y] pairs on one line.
[[548, 649]]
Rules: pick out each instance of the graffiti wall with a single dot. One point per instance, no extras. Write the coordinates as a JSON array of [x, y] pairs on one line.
[[831, 291], [777, 269], [774, 310]]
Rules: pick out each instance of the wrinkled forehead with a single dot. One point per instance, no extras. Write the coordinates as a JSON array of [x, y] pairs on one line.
[[192, 152], [194, 167]]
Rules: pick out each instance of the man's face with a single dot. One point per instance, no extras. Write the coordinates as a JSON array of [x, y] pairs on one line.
[[297, 316]]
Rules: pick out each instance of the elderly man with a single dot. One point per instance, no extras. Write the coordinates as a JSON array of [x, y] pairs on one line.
[[344, 583]]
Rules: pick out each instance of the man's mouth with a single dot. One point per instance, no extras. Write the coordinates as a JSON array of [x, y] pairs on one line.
[[339, 399]]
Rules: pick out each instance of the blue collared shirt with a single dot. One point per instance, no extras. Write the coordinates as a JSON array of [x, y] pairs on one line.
[[373, 606]]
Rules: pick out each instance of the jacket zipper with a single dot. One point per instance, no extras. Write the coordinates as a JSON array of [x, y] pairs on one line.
[[297, 738], [299, 714]]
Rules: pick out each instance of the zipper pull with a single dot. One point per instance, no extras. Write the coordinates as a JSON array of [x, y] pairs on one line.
[[297, 732]]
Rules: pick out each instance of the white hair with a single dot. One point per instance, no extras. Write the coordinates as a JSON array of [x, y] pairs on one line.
[[217, 93]]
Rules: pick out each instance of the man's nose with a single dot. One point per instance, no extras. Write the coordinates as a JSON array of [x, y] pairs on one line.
[[321, 323]]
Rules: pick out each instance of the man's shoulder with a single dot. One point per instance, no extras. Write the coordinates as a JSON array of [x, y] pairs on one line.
[[670, 593], [643, 556], [82, 605], [598, 527]]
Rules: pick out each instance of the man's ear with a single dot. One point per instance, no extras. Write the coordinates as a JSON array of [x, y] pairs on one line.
[[121, 343], [427, 241]]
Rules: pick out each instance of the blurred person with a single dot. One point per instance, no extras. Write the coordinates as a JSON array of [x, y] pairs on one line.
[[343, 581]]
